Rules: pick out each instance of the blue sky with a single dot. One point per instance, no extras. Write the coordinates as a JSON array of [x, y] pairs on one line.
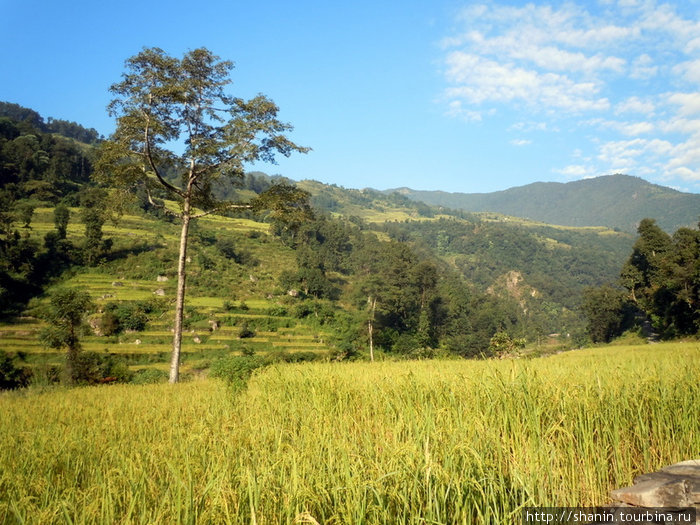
[[439, 95]]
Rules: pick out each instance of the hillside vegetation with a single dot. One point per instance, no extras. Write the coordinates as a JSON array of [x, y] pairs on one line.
[[434, 441], [358, 274], [615, 201]]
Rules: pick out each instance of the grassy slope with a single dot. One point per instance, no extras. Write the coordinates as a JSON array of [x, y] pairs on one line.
[[440, 441], [133, 277]]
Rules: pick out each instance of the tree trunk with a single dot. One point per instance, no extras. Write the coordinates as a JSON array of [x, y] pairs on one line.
[[180, 297], [370, 326]]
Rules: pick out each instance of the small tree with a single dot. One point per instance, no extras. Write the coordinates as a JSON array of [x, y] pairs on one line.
[[26, 212], [61, 216], [180, 133], [66, 318]]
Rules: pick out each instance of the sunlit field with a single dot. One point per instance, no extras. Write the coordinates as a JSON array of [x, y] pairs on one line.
[[387, 442]]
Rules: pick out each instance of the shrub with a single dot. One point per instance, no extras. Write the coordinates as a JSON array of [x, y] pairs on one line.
[[406, 344], [236, 369], [126, 316], [229, 306], [277, 311], [11, 375], [91, 368], [148, 376], [245, 332]]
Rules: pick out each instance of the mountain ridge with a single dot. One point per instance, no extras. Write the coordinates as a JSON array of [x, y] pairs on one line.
[[615, 201]]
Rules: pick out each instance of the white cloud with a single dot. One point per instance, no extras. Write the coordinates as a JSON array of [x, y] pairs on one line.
[[529, 126], [520, 142], [689, 103], [635, 105], [690, 70], [477, 79], [629, 129], [643, 68], [574, 171], [627, 70]]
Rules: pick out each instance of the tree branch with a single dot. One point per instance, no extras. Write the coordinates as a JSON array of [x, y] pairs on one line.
[[151, 163], [160, 206]]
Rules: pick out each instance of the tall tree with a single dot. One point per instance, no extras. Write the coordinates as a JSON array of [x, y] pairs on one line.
[[641, 273], [173, 115]]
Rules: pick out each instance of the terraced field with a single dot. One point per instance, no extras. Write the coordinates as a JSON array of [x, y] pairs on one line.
[[242, 296]]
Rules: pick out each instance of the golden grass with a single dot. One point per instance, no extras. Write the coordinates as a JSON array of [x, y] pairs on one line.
[[386, 442]]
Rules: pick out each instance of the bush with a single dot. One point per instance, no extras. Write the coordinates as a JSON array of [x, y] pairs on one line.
[[11, 375], [126, 316], [245, 332], [236, 370], [91, 368], [229, 306], [277, 311], [406, 344], [149, 376]]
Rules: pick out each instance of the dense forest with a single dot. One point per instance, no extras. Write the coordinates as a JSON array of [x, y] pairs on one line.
[[383, 272]]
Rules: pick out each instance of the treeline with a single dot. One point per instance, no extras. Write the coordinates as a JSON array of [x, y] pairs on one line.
[[38, 165], [31, 118], [659, 288]]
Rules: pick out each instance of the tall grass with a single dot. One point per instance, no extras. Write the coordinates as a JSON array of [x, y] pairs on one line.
[[409, 442]]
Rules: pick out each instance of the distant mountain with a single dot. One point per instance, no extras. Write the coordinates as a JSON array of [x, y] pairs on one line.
[[615, 201]]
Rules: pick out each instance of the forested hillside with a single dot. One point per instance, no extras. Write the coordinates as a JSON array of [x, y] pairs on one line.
[[363, 272], [614, 201]]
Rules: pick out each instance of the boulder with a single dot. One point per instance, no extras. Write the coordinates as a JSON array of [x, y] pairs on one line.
[[673, 486]]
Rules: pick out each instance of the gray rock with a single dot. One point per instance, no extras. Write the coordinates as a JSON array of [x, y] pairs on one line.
[[673, 486]]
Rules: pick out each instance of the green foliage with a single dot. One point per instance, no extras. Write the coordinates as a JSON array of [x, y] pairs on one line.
[[503, 345], [662, 276], [65, 316], [16, 113], [126, 316], [92, 368], [93, 215], [245, 332], [149, 376], [236, 370], [277, 311], [12, 376], [25, 212], [608, 311], [36, 164], [61, 216]]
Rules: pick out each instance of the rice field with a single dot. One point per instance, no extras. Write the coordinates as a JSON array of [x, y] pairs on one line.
[[386, 442]]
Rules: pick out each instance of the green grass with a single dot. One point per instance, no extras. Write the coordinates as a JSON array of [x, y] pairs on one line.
[[387, 442]]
